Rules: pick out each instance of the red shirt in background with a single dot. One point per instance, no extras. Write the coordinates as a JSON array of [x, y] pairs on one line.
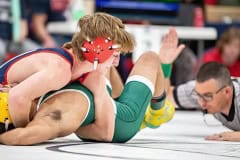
[[215, 55], [210, 2]]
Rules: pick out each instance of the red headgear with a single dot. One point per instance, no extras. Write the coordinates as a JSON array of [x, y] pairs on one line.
[[98, 50]]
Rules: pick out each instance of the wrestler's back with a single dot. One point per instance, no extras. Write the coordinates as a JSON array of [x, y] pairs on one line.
[[26, 66]]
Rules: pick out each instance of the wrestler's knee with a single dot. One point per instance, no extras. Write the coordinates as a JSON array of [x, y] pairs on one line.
[[149, 56], [149, 59]]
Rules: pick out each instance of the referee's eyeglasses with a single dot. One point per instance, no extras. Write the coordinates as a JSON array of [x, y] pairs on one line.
[[207, 97]]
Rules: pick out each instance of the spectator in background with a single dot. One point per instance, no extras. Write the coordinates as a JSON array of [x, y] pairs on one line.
[[14, 29], [211, 2], [184, 67], [43, 12], [227, 51]]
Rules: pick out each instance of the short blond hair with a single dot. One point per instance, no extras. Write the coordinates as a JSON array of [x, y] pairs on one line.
[[101, 25]]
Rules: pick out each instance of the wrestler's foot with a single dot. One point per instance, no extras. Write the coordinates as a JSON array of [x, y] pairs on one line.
[[154, 118]]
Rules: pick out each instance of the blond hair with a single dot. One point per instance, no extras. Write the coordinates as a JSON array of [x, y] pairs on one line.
[[101, 25]]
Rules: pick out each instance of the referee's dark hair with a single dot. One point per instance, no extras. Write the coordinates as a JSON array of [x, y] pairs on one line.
[[214, 70]]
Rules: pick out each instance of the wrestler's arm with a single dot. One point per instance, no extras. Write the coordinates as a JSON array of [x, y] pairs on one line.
[[103, 127], [169, 51], [39, 83], [116, 82], [35, 132], [61, 116]]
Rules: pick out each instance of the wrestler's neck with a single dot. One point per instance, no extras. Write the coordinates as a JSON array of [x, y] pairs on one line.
[[80, 67]]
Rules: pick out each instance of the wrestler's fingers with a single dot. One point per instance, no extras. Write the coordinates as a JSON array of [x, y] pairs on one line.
[[165, 38], [180, 48], [173, 36]]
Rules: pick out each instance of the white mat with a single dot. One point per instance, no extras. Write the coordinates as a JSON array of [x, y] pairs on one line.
[[182, 138]]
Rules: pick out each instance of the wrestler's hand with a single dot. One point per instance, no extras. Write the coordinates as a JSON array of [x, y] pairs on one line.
[[170, 50], [225, 136]]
